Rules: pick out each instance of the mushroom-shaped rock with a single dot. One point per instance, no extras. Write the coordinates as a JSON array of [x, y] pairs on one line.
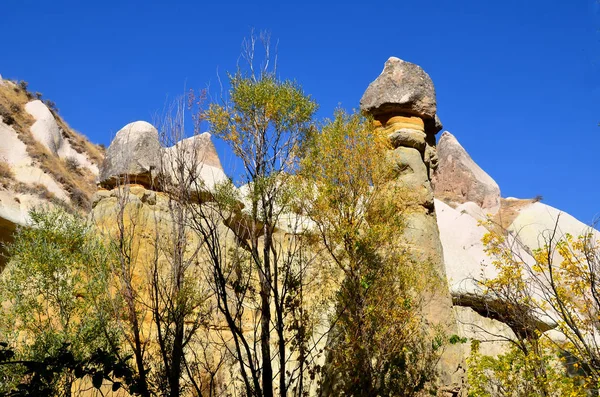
[[193, 160], [402, 88], [134, 153], [458, 179]]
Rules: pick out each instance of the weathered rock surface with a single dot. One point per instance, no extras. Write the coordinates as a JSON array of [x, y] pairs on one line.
[[464, 258], [402, 102], [537, 222], [34, 144], [458, 179], [45, 129], [135, 153], [412, 173], [47, 132], [494, 335], [196, 157], [402, 87]]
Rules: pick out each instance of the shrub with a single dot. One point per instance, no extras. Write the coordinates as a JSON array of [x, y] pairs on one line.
[[79, 199], [72, 164], [51, 105], [6, 173], [6, 115]]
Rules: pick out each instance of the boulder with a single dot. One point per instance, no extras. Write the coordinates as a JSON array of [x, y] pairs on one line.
[[134, 153], [402, 88], [458, 179]]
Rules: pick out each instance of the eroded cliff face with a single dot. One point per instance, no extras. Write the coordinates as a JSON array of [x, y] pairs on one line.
[[43, 162], [465, 196]]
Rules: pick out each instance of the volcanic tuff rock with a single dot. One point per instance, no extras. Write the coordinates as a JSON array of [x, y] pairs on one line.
[[135, 155], [134, 152], [36, 148], [42, 161], [198, 156], [458, 179], [402, 87], [402, 102]]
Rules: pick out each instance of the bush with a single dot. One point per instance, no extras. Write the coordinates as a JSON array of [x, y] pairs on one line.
[[6, 173], [79, 199], [6, 115], [72, 164], [60, 258], [51, 105]]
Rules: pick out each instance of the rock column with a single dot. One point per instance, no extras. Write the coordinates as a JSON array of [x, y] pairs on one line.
[[403, 104]]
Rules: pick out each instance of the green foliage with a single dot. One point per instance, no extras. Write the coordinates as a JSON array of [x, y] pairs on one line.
[[530, 372], [266, 120], [379, 346], [40, 376], [557, 280], [53, 290]]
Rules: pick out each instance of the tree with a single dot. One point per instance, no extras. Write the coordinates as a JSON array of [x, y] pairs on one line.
[[378, 346], [53, 291], [159, 282], [516, 373], [556, 282], [265, 122], [127, 303], [179, 297]]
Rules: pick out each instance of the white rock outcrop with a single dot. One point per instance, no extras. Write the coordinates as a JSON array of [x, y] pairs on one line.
[[45, 129], [198, 157], [464, 257], [537, 221], [47, 132]]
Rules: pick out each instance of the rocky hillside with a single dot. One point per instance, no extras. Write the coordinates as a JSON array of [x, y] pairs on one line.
[[465, 196], [42, 160]]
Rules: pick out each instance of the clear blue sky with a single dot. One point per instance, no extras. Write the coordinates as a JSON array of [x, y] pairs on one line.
[[518, 82]]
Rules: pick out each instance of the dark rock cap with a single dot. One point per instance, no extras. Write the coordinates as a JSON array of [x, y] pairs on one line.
[[402, 87]]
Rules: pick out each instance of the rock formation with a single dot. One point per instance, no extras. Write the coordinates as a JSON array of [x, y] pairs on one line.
[[43, 162], [136, 156], [403, 104], [196, 155], [134, 153], [458, 179], [464, 256]]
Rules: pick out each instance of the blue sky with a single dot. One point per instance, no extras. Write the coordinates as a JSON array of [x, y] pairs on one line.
[[518, 82]]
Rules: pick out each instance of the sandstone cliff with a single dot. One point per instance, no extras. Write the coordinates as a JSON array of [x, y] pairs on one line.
[[44, 162]]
